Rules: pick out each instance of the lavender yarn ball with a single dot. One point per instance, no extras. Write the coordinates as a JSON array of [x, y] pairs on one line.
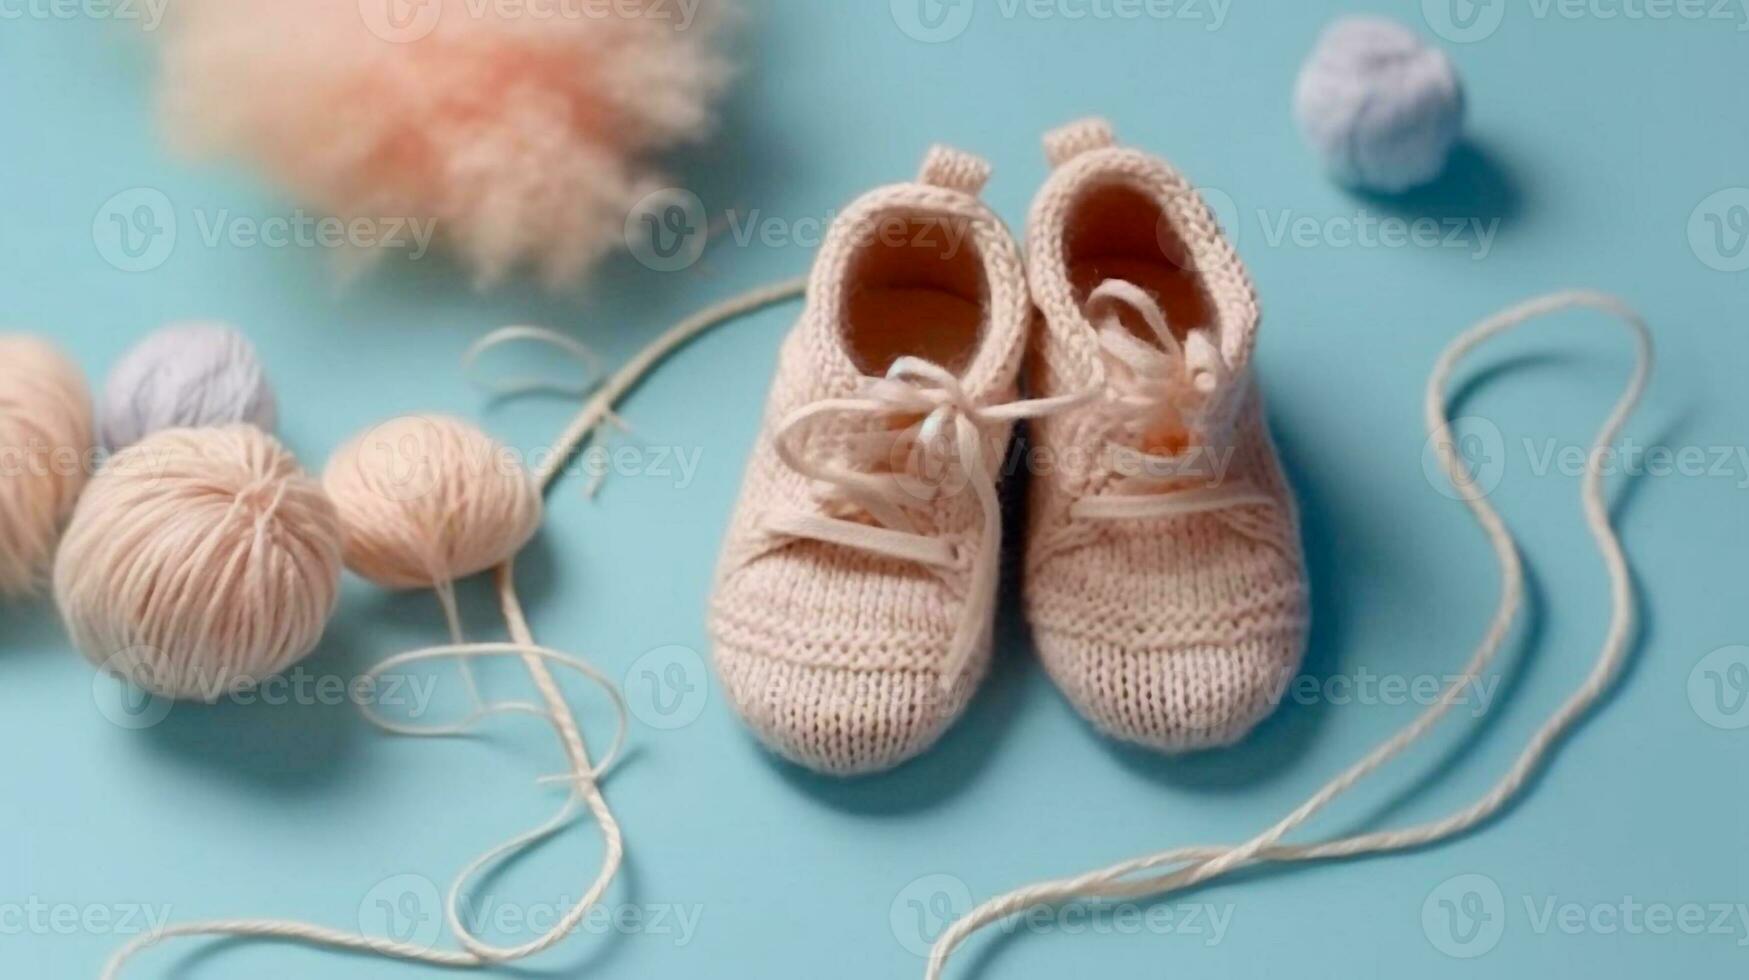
[[1381, 107], [188, 375]]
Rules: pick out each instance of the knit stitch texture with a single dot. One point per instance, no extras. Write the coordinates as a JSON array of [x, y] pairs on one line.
[[837, 658], [1178, 630]]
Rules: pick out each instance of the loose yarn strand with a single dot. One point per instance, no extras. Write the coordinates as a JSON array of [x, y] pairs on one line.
[[452, 618], [1201, 864], [621, 383], [597, 411], [583, 775], [576, 349]]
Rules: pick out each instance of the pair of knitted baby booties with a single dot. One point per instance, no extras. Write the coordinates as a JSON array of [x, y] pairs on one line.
[[1163, 577]]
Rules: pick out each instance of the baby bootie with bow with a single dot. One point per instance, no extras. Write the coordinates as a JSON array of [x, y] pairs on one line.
[[857, 585], [1165, 582]]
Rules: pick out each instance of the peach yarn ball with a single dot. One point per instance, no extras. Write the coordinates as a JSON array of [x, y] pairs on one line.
[[199, 562], [45, 448], [428, 499]]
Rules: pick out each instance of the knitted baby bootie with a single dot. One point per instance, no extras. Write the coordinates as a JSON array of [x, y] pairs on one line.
[[1165, 582], [856, 590]]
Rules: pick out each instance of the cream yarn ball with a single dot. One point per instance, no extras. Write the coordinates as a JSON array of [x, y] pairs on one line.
[[45, 455], [182, 376], [1382, 108], [428, 499], [199, 561]]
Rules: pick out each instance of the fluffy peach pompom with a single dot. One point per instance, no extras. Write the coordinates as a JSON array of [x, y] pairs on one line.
[[522, 128]]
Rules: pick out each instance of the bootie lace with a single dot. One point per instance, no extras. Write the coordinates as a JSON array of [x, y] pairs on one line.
[[1172, 407], [907, 441]]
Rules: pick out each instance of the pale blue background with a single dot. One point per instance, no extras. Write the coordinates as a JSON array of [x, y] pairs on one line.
[[1594, 142]]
